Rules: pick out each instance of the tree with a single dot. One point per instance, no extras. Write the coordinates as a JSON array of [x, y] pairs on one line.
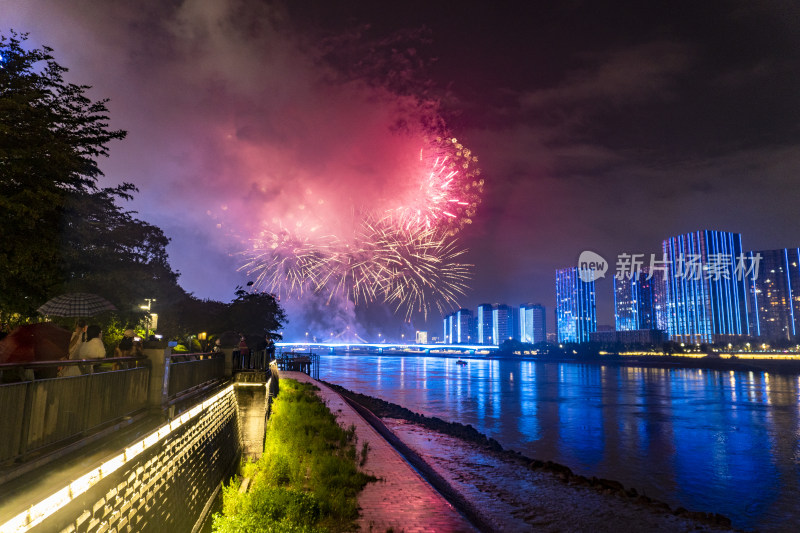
[[190, 316], [256, 314], [59, 231], [107, 250], [50, 137]]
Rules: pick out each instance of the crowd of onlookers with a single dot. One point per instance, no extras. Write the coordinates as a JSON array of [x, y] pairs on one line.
[[86, 342]]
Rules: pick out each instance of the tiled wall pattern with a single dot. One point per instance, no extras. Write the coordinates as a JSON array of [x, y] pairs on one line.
[[165, 488]]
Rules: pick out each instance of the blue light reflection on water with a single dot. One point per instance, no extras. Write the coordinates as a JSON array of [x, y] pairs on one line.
[[723, 442]]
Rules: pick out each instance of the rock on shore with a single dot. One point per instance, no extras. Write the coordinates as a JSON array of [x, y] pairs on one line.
[[515, 493]]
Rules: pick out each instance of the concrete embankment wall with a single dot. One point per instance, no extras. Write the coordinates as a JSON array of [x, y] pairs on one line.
[[160, 483]]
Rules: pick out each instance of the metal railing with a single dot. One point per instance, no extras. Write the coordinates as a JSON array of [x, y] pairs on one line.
[[306, 362], [252, 359], [43, 412], [187, 371]]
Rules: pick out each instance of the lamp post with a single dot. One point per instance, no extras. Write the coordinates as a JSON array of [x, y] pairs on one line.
[[149, 318]]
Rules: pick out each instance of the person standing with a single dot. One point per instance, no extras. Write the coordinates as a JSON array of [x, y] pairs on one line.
[[125, 346], [93, 348], [78, 338], [75, 343], [244, 353]]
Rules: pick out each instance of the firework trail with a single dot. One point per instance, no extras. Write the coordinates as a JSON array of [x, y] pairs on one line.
[[407, 256]]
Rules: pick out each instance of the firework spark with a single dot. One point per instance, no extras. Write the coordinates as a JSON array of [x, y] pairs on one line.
[[411, 269], [416, 267], [449, 191], [286, 262], [406, 256]]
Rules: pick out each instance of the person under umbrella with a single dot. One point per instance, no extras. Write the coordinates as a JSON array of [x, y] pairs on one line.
[[77, 339], [93, 348]]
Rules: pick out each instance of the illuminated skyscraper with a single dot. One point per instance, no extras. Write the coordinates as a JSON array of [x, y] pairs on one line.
[[502, 323], [658, 287], [448, 329], [484, 324], [626, 302], [532, 323], [638, 301], [706, 296], [462, 327], [576, 315], [775, 295]]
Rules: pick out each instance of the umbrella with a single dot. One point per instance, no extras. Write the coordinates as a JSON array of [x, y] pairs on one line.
[[76, 304]]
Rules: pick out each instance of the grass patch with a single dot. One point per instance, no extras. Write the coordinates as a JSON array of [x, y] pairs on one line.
[[307, 480]]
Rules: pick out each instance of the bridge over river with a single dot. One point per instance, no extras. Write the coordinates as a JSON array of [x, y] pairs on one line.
[[140, 445], [388, 348]]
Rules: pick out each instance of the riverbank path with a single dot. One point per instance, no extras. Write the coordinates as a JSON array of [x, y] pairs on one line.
[[401, 500]]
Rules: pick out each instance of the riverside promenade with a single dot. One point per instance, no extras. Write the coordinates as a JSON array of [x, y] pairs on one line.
[[401, 500]]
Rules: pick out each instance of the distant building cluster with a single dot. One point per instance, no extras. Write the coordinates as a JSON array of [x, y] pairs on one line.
[[704, 289], [496, 323]]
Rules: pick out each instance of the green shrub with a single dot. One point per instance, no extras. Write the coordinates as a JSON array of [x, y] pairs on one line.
[[306, 480]]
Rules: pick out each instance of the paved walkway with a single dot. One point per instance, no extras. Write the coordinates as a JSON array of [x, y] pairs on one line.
[[401, 501]]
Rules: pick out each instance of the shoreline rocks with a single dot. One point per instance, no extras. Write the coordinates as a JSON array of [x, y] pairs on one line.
[[387, 410]]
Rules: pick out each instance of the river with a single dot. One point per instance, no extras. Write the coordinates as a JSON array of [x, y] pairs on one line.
[[725, 442]]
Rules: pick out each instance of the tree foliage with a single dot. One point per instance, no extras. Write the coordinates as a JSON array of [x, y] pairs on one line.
[[254, 315], [60, 232]]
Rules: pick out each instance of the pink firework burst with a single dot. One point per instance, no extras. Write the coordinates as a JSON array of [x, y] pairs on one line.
[[449, 190]]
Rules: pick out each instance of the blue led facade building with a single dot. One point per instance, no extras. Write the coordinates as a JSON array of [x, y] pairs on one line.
[[639, 301], [502, 323], [462, 326], [458, 327], [627, 302], [705, 304], [532, 323], [576, 314], [484, 324], [775, 294]]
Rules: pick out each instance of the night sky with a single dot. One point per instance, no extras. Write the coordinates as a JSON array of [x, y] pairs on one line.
[[604, 126]]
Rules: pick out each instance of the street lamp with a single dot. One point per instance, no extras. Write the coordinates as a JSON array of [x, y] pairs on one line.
[[149, 317]]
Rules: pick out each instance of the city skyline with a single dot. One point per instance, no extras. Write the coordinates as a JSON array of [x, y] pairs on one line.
[[603, 127]]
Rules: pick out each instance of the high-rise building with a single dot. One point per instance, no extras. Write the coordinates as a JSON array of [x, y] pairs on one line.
[[484, 324], [706, 296], [638, 300], [448, 329], [532, 323], [576, 315], [775, 294], [462, 327], [502, 323], [627, 302], [658, 288]]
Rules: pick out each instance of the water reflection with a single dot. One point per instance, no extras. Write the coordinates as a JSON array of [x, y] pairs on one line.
[[726, 442]]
